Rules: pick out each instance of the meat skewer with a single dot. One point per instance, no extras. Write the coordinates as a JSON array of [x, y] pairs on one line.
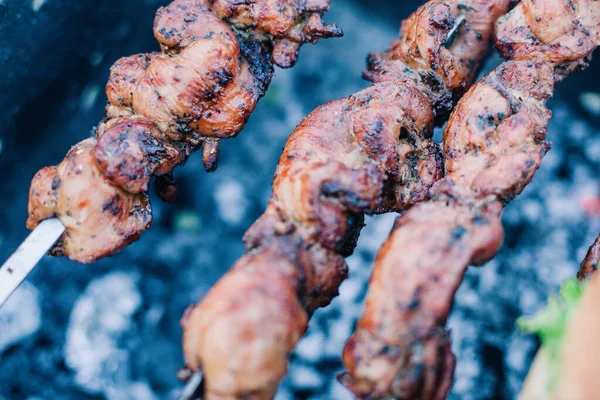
[[367, 153], [493, 145], [216, 62]]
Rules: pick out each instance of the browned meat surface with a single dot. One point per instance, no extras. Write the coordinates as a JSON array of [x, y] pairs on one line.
[[123, 143], [564, 33], [492, 146], [98, 216], [215, 64], [400, 349], [290, 22], [590, 263], [367, 153], [495, 140]]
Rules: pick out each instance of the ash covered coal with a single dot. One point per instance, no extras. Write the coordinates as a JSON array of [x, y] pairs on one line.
[[111, 329], [20, 317]]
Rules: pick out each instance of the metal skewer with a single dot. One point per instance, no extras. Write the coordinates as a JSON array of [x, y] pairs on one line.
[[14, 271], [194, 389], [462, 18]]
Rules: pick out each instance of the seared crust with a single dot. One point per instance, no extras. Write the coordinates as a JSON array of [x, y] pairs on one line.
[[123, 143], [494, 142], [400, 348], [564, 33], [364, 154], [202, 87], [493, 145], [99, 218], [290, 22]]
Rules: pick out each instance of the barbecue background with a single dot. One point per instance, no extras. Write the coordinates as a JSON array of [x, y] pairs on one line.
[[111, 329]]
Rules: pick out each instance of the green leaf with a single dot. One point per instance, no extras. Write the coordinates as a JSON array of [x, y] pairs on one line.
[[550, 324]]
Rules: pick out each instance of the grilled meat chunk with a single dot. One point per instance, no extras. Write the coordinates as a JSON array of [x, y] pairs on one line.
[[400, 349], [290, 22], [123, 142], [99, 218], [564, 33]]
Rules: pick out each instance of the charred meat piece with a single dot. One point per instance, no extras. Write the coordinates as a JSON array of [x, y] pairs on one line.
[[201, 74], [401, 349], [364, 154], [290, 22], [494, 142], [100, 218], [123, 142], [216, 62], [493, 145], [564, 33]]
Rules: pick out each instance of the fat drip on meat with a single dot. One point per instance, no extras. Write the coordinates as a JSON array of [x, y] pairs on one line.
[[492, 146], [368, 153], [216, 62]]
